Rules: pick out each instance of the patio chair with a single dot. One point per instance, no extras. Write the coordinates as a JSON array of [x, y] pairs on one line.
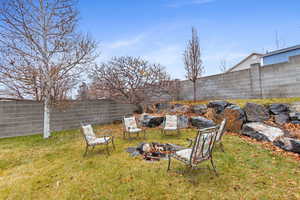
[[92, 140], [170, 124], [201, 150], [130, 126], [220, 134]]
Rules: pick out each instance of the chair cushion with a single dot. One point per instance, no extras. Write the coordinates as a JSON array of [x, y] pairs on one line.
[[171, 122], [89, 133], [130, 123], [134, 130], [101, 140], [184, 154], [170, 128]]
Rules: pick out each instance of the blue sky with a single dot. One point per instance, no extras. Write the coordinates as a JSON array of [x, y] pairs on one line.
[[158, 30]]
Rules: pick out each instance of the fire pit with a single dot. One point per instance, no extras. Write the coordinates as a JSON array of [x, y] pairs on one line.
[[153, 151]]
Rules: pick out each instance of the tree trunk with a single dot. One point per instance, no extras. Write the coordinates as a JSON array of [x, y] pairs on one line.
[[47, 117], [194, 86]]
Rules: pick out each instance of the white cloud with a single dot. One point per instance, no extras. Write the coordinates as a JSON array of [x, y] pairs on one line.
[[181, 3], [126, 42]]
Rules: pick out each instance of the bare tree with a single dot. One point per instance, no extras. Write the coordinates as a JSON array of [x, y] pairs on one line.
[[41, 52], [131, 80], [223, 65], [192, 60]]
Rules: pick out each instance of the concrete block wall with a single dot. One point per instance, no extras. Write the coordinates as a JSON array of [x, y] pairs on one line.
[[18, 118], [269, 81]]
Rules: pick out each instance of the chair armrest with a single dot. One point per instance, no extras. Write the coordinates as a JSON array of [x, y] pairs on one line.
[[191, 141]]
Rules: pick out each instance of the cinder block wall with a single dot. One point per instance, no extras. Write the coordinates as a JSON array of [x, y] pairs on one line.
[[18, 118], [279, 80]]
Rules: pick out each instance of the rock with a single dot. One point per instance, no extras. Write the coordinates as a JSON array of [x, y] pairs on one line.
[[261, 132], [235, 117], [138, 109], [219, 106], [201, 122], [295, 122], [183, 121], [200, 109], [278, 108], [294, 116], [256, 113], [295, 107], [151, 121], [178, 108], [288, 144], [163, 107], [282, 118], [150, 108]]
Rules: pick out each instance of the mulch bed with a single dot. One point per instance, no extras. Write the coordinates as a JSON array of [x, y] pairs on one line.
[[269, 146]]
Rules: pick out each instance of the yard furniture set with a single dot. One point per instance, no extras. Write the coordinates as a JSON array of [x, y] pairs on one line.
[[199, 150]]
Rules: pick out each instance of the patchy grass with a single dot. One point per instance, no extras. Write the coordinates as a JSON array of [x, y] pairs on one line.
[[34, 168], [242, 102]]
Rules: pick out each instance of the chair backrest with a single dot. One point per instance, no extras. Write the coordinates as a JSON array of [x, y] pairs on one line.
[[203, 145], [221, 130], [171, 121], [129, 123], [88, 133]]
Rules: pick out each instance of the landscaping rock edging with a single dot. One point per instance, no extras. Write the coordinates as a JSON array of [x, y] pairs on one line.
[[256, 112], [261, 131]]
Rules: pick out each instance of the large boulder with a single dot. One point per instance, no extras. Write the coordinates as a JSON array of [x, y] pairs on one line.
[[288, 144], [218, 106], [295, 107], [295, 122], [151, 121], [200, 109], [294, 116], [201, 122], [278, 108], [179, 108], [163, 107], [261, 132], [235, 117], [183, 121], [150, 108], [282, 118], [256, 113]]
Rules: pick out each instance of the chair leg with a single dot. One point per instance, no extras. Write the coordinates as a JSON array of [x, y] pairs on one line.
[[169, 163], [222, 146], [86, 150], [113, 144], [107, 149], [213, 165], [124, 135], [144, 134]]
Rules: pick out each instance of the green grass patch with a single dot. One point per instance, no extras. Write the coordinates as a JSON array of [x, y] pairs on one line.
[[34, 168], [242, 102]]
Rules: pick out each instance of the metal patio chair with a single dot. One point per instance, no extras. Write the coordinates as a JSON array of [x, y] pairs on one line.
[[130, 126], [92, 140], [201, 150], [170, 124]]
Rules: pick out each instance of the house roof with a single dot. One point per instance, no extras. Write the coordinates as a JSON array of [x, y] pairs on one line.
[[252, 54], [281, 50]]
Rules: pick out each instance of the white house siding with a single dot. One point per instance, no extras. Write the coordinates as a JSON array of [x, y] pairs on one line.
[[246, 64]]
